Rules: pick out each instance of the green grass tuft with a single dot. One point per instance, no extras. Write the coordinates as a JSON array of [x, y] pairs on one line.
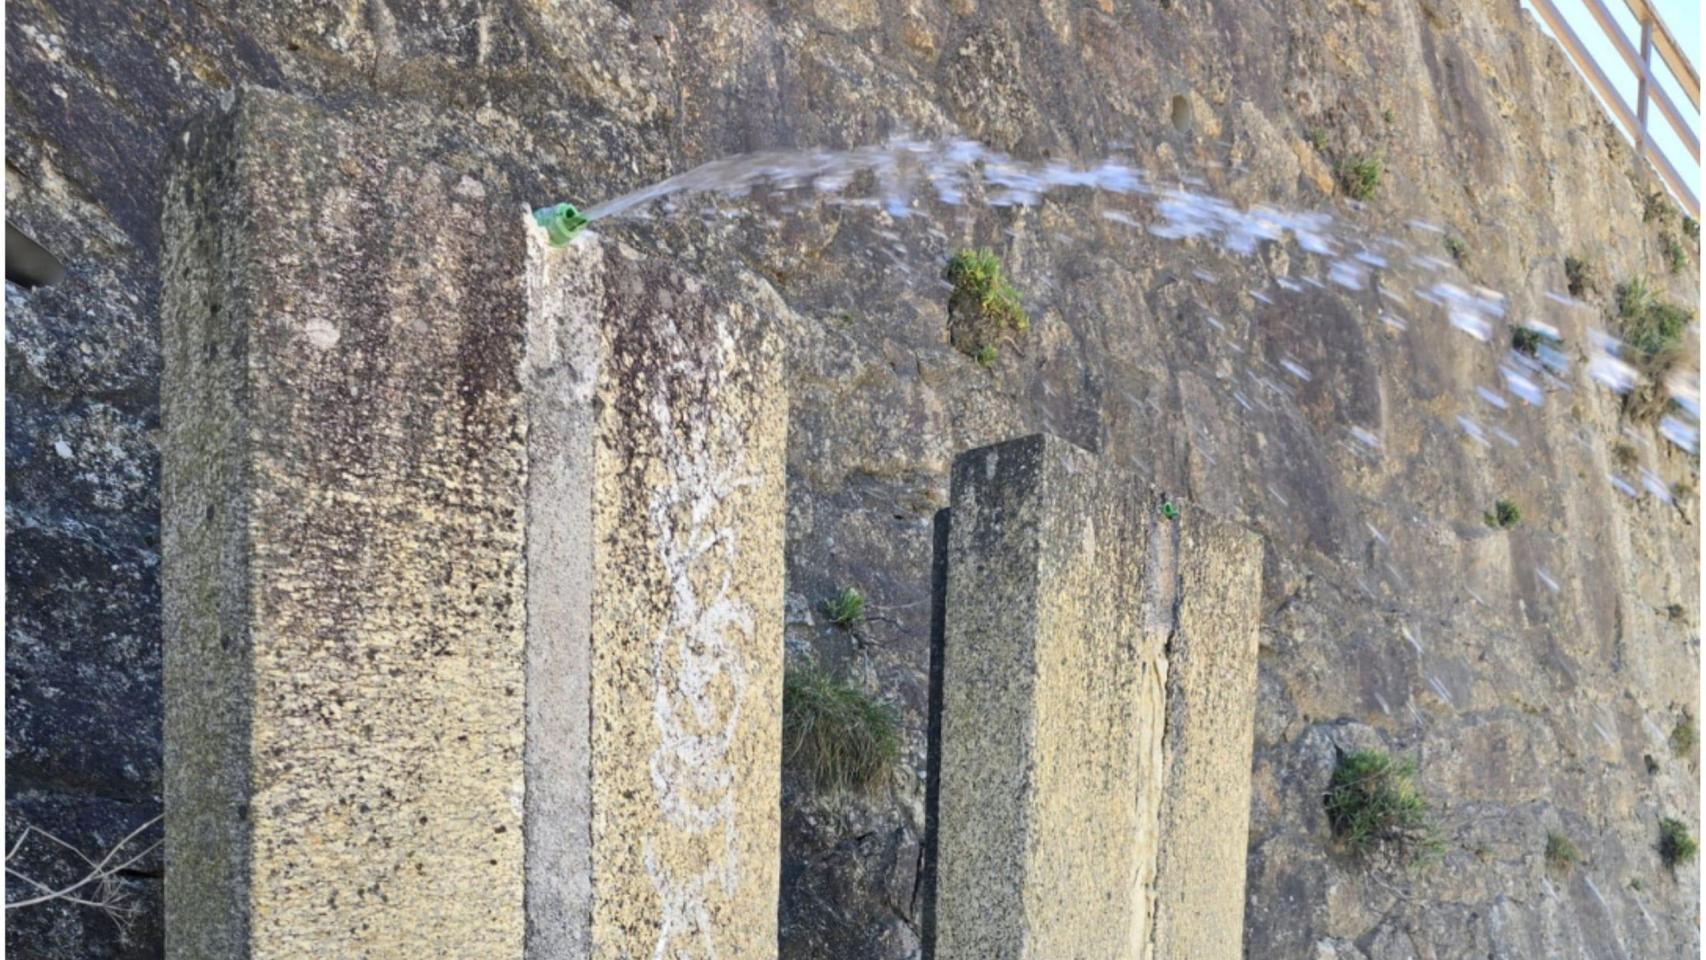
[[1656, 208], [1561, 852], [1504, 515], [1318, 139], [1459, 250], [1651, 325], [1360, 175], [1578, 275], [978, 282], [845, 608], [1676, 844], [1372, 803], [1684, 737], [1653, 328], [1527, 340], [836, 735], [1691, 227], [983, 308], [1675, 256]]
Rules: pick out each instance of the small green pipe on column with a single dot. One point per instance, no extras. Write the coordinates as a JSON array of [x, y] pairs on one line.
[[561, 222]]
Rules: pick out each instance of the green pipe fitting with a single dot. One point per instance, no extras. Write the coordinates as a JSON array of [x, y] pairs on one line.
[[561, 222]]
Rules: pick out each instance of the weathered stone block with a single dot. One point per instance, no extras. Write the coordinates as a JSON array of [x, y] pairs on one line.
[[1209, 741], [1051, 718], [1098, 680], [658, 431], [473, 568], [343, 516]]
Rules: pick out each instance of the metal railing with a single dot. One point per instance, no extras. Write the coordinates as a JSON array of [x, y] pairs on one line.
[[1654, 34]]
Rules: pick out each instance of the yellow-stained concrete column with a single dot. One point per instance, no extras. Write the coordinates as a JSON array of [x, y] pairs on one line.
[[342, 510], [659, 420], [1210, 739], [473, 565], [1097, 711]]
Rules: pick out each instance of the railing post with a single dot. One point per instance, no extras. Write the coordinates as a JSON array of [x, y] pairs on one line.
[[1641, 96]]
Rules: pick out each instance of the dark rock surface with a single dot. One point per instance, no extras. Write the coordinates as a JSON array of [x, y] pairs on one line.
[[1555, 698]]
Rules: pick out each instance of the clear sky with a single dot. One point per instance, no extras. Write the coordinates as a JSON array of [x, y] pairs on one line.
[[1683, 19]]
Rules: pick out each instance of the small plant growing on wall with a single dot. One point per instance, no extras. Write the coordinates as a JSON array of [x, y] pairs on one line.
[[1504, 515], [1373, 804], [1579, 278], [1360, 176], [1684, 737], [1527, 340], [1654, 328], [835, 735], [1561, 852], [1459, 250], [983, 308], [1676, 844], [1675, 256], [1656, 208], [845, 608]]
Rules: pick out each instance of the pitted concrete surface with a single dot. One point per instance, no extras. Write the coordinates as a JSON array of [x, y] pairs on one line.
[[343, 517], [658, 453]]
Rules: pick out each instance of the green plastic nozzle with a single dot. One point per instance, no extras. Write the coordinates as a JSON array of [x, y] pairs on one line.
[[561, 222]]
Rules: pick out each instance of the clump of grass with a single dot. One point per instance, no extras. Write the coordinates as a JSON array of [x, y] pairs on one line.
[[1527, 340], [1676, 844], [1655, 207], [1504, 515], [1318, 139], [1625, 455], [1360, 175], [838, 736], [1675, 256], [978, 282], [1561, 852], [1459, 250], [1388, 116], [1653, 328], [1650, 324], [983, 307], [845, 608], [1682, 489], [1684, 737], [986, 355], [1578, 276], [1372, 803], [1691, 227]]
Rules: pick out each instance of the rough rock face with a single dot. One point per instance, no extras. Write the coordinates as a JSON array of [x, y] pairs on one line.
[[1530, 709]]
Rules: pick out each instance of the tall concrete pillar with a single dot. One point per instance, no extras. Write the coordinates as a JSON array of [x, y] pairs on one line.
[[472, 567], [1098, 683], [656, 458]]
